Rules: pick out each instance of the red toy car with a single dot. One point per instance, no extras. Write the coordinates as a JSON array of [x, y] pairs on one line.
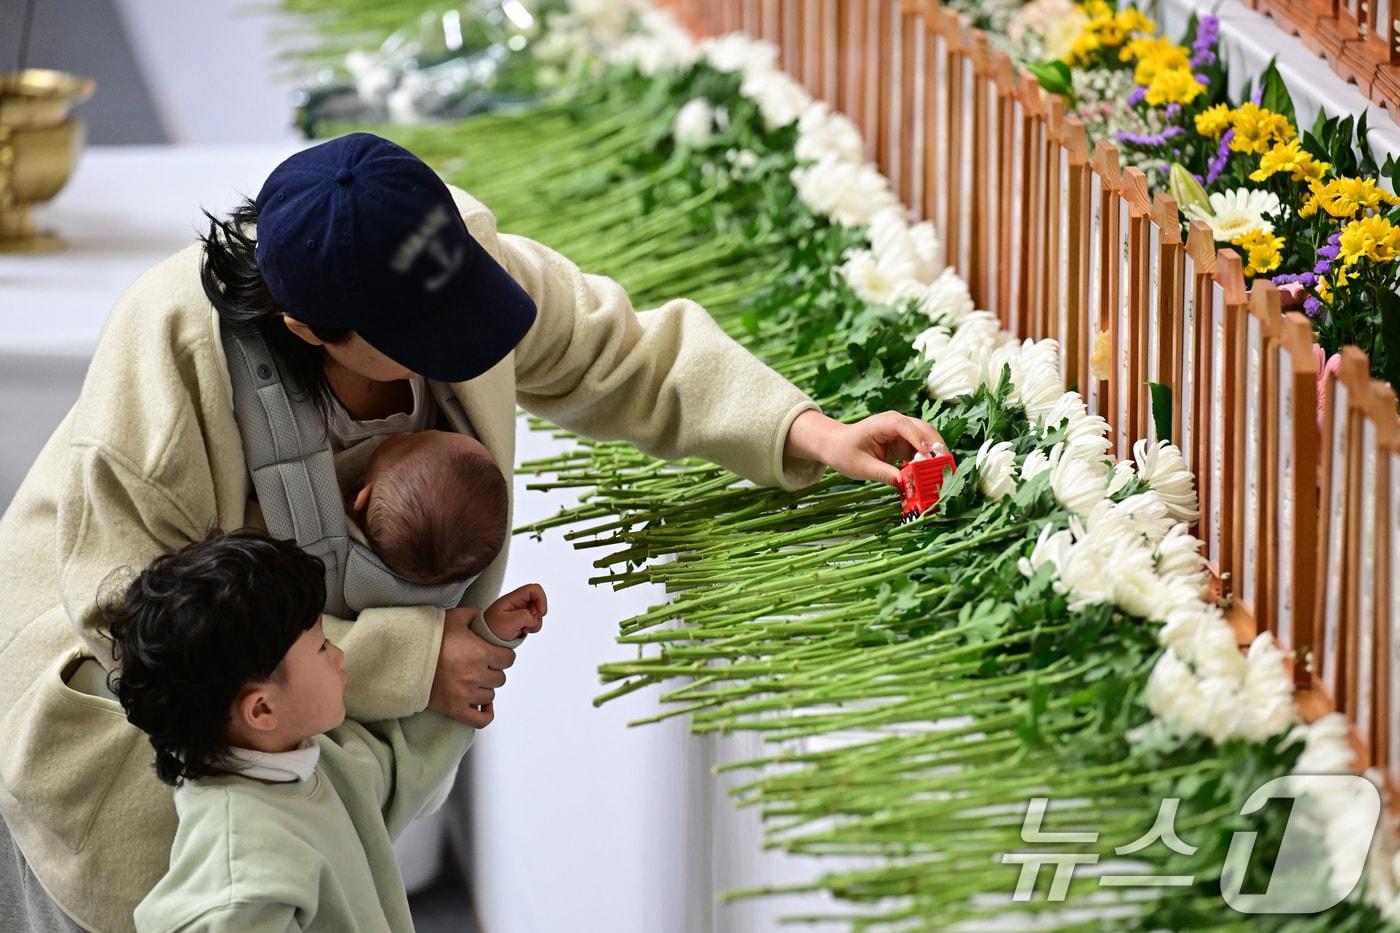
[[920, 481]]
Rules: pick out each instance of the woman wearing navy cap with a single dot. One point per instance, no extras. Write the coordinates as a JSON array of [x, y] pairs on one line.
[[387, 302]]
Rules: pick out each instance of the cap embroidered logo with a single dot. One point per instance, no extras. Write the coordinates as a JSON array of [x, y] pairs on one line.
[[425, 239]]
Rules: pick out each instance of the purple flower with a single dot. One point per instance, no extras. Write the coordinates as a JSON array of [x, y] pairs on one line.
[[1203, 79], [1311, 306], [1203, 49], [1151, 139], [1222, 157], [1305, 279], [1258, 96], [1137, 95], [1332, 249], [1173, 109], [1323, 267]]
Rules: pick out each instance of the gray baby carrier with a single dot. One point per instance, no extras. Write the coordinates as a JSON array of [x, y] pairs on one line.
[[293, 470]]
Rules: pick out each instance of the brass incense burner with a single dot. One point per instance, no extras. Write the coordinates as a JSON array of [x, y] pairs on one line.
[[39, 145]]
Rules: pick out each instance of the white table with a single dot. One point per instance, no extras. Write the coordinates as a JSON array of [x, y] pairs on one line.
[[125, 209]]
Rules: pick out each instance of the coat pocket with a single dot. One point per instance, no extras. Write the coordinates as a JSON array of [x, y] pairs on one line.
[[66, 750]]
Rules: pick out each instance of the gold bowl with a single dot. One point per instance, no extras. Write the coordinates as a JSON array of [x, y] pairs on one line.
[[39, 145]]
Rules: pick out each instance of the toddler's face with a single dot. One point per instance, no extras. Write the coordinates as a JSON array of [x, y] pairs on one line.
[[312, 685]]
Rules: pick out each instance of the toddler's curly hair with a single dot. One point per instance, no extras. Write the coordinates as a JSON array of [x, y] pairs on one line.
[[194, 628]]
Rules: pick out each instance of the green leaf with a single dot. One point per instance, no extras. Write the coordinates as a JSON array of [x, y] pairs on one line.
[[1387, 354], [1161, 410], [1276, 96], [1054, 76]]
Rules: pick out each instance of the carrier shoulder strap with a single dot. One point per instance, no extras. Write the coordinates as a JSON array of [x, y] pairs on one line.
[[293, 470]]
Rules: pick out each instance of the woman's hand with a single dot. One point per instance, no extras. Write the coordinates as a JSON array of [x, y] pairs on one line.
[[863, 450], [469, 672]]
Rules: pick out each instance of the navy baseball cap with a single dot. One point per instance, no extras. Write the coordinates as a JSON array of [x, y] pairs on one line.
[[358, 233]]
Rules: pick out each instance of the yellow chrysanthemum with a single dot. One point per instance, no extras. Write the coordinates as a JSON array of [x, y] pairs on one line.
[[1154, 55], [1257, 129], [1314, 200], [1133, 20], [1312, 170], [1324, 291], [1106, 30], [1174, 86], [1374, 238], [1084, 47], [1263, 249], [1213, 121], [1289, 157]]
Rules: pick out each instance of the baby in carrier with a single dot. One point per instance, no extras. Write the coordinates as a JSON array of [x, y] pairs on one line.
[[433, 505]]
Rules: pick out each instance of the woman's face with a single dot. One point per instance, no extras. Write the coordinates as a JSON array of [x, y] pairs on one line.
[[354, 354]]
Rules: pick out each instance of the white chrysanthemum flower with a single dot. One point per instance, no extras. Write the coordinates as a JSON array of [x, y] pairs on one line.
[[737, 52], [1145, 514], [650, 55], [952, 375], [694, 123], [884, 281], [1172, 689], [845, 193], [996, 469], [1220, 714], [1268, 691], [1214, 652], [1035, 463], [976, 332], [1181, 624], [995, 361], [780, 99], [1179, 557], [1078, 485], [1162, 468], [1237, 212], [822, 131], [947, 298], [1118, 477], [1084, 577], [1069, 407], [1051, 547], [1136, 588], [1326, 746], [1036, 376]]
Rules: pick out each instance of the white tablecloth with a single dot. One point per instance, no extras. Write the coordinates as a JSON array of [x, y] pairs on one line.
[[1249, 40]]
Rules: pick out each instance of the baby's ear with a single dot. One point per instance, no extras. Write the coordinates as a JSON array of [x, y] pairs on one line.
[[362, 498]]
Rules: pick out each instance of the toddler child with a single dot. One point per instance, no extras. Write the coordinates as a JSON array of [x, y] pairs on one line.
[[287, 811]]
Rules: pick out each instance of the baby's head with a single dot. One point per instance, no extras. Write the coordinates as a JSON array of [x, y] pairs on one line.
[[219, 644], [434, 506]]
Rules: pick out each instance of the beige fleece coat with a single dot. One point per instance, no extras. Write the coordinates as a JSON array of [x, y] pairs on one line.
[[150, 458]]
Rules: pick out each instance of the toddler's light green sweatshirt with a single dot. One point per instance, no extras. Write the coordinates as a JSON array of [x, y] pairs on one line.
[[315, 854]]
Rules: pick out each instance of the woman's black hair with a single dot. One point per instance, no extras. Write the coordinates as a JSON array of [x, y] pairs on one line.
[[235, 286], [198, 625]]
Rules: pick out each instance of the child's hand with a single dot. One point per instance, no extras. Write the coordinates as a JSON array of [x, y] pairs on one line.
[[518, 613]]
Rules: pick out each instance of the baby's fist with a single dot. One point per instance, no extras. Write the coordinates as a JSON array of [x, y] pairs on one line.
[[518, 613]]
